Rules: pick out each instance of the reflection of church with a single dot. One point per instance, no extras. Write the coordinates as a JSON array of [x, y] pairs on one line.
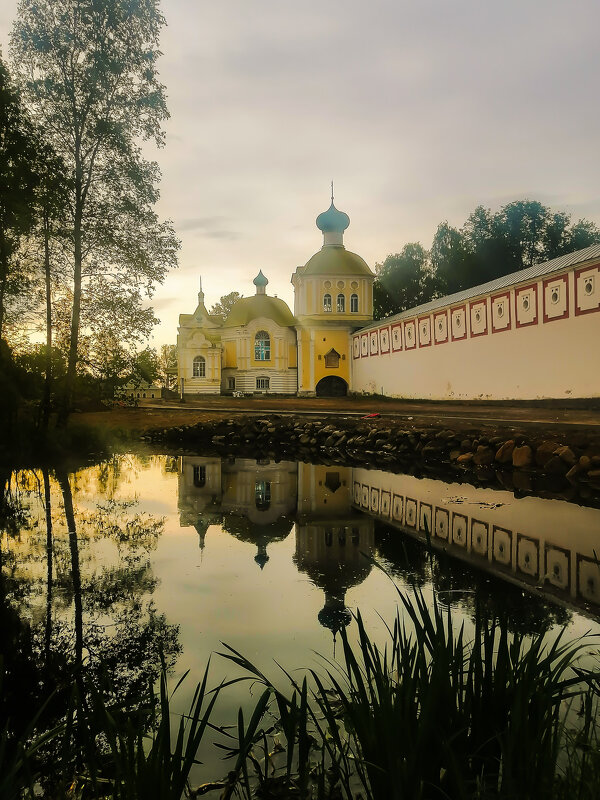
[[259, 502], [262, 347]]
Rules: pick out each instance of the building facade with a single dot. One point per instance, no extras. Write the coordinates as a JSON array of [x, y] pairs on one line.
[[529, 335]]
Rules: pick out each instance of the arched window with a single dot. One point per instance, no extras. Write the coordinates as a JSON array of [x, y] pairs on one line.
[[341, 304], [262, 346], [354, 303], [199, 367], [326, 302], [332, 359]]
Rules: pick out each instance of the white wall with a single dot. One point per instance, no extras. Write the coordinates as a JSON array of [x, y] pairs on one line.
[[544, 344]]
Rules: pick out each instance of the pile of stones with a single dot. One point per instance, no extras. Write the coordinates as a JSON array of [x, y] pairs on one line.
[[522, 462]]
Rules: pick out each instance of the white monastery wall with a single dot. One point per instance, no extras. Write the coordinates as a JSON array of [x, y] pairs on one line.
[[533, 340]]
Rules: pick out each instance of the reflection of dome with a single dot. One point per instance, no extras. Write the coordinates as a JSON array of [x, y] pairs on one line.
[[333, 220], [336, 260], [334, 614], [260, 535], [260, 305]]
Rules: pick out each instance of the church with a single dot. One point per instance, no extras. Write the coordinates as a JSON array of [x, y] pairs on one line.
[[262, 347], [529, 335]]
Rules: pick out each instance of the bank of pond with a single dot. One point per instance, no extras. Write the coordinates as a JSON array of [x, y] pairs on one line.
[[331, 631]]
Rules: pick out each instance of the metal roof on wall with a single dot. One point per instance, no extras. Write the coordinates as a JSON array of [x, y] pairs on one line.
[[523, 275]]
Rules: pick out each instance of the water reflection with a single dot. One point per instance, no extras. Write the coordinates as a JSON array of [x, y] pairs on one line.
[[545, 545]]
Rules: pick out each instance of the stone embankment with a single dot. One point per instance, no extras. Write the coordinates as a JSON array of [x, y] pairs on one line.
[[561, 465]]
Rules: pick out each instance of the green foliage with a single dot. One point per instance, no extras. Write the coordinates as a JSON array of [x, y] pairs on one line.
[[224, 306], [488, 246]]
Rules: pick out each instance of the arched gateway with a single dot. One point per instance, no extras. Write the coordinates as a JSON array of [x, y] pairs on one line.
[[332, 386]]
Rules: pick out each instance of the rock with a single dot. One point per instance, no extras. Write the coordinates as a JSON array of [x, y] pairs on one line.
[[484, 456], [465, 445], [556, 466], [566, 454], [522, 456], [454, 455], [572, 473], [585, 462], [522, 481], [505, 452], [465, 458], [594, 473], [544, 452]]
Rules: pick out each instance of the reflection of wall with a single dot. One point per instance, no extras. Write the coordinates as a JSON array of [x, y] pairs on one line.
[[533, 540]]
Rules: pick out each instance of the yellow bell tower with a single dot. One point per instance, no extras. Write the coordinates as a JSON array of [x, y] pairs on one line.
[[333, 296]]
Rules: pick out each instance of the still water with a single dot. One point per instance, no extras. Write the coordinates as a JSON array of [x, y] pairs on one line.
[[144, 555]]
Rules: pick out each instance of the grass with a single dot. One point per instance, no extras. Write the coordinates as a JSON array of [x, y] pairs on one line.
[[434, 713]]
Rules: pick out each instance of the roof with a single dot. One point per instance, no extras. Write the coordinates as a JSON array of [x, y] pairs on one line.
[[335, 260], [260, 305], [522, 276]]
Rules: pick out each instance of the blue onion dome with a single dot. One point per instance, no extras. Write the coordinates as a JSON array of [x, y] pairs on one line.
[[260, 279], [333, 220]]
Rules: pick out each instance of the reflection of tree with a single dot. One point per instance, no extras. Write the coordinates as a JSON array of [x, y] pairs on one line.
[[402, 556], [97, 619]]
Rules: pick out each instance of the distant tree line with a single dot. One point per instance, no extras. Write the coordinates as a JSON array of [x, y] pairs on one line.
[[488, 246], [81, 246]]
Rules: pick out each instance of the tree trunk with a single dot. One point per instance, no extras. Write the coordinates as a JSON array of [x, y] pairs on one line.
[[67, 398], [49, 578], [65, 486], [45, 417]]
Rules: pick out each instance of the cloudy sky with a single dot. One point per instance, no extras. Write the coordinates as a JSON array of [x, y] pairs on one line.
[[419, 110]]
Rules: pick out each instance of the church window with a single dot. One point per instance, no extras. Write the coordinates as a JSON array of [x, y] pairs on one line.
[[262, 346], [199, 476], [354, 303], [199, 367], [327, 302], [341, 303], [332, 359], [262, 383], [588, 286], [555, 294], [262, 495]]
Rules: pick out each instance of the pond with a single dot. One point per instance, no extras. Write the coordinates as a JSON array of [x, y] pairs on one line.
[[148, 555]]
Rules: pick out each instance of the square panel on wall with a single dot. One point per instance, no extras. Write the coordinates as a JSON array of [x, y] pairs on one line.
[[410, 513], [398, 508], [374, 343], [384, 508], [425, 517], [588, 579], [364, 345], [458, 323], [356, 493], [397, 337], [501, 312], [374, 504], [478, 317], [410, 335], [460, 526], [558, 566], [356, 347], [364, 500], [526, 305], [424, 325], [556, 298], [501, 545], [479, 537], [442, 523], [528, 558], [384, 340], [587, 290], [440, 327]]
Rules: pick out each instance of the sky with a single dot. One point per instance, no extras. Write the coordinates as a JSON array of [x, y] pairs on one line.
[[419, 110]]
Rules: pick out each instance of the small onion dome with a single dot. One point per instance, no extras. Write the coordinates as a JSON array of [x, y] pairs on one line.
[[260, 279], [332, 220]]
